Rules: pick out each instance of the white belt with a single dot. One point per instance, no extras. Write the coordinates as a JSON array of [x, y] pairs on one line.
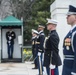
[[69, 58]]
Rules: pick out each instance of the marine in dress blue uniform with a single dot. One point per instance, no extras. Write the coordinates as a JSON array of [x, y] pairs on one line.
[[69, 45], [51, 56], [10, 36], [40, 41], [34, 45]]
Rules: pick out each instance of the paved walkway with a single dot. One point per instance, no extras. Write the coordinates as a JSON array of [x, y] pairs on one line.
[[17, 69]]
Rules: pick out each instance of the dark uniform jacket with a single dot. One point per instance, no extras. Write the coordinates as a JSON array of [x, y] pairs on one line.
[[12, 35], [51, 54], [34, 40], [40, 41], [69, 51]]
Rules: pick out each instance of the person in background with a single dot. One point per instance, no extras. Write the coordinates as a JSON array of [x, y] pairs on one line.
[[40, 42], [34, 50], [51, 56], [10, 36], [69, 44]]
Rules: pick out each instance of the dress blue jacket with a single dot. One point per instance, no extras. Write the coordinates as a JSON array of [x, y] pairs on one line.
[[69, 48]]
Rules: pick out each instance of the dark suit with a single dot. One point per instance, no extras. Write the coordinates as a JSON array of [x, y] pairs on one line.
[[10, 36], [51, 54], [69, 51]]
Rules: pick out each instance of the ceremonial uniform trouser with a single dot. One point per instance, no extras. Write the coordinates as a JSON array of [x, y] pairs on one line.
[[35, 59], [56, 72], [10, 51], [52, 71], [41, 57], [47, 62], [67, 67], [48, 70]]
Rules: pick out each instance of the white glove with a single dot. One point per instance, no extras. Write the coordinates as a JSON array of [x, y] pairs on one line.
[[9, 42], [52, 66], [39, 53], [73, 73], [10, 37]]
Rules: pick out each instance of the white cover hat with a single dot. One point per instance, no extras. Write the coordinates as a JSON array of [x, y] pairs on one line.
[[35, 31], [52, 21], [41, 26]]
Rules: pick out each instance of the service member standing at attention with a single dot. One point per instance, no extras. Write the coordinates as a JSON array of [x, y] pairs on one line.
[[40, 42], [51, 56], [10, 36], [34, 49], [69, 45]]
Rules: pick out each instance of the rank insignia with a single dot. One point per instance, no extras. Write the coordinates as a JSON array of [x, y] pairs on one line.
[[67, 43]]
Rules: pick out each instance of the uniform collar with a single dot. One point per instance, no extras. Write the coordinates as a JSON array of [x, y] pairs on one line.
[[73, 27], [52, 31], [40, 31]]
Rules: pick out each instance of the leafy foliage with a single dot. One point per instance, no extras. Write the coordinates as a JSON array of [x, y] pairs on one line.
[[40, 11]]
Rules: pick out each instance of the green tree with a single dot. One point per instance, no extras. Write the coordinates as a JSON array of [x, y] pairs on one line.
[[34, 12], [40, 11]]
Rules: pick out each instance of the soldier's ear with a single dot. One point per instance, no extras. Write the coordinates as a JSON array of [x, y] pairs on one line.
[[75, 16]]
